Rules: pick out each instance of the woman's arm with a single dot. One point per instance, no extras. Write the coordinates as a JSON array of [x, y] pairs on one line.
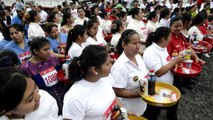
[[164, 69], [122, 92]]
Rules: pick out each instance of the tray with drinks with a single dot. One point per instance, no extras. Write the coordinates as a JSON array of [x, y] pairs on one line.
[[166, 95], [201, 46], [188, 68]]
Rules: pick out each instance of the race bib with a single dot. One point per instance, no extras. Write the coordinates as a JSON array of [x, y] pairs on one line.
[[108, 112], [23, 57], [49, 76]]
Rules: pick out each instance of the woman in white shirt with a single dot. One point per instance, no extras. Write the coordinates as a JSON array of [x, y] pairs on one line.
[[156, 57], [95, 36], [197, 22], [76, 37], [186, 20], [137, 24], [152, 24], [117, 29], [21, 98], [164, 17], [81, 17], [35, 29], [91, 97], [128, 70]]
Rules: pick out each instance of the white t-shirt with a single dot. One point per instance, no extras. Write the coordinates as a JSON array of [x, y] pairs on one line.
[[48, 109], [89, 100], [79, 21], [90, 41], [74, 13], [43, 15], [197, 31], [139, 27], [124, 71], [106, 25], [155, 57], [151, 26], [115, 39], [164, 23], [35, 30], [75, 50]]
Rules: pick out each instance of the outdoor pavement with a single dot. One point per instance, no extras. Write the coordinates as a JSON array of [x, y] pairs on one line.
[[197, 103]]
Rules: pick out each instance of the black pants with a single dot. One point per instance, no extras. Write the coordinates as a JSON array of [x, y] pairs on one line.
[[152, 112]]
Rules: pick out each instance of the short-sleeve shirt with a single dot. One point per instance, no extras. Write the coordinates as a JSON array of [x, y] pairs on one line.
[[89, 100], [177, 42], [124, 72], [19, 51], [54, 43], [155, 57]]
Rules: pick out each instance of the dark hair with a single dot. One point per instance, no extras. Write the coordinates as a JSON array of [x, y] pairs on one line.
[[124, 38], [51, 16], [151, 15], [174, 20], [12, 88], [90, 23], [37, 43], [210, 18], [157, 35], [103, 14], [164, 12], [122, 14], [66, 10], [30, 16], [8, 58], [199, 18], [18, 27], [186, 17], [134, 11], [116, 24], [92, 56], [65, 17], [49, 27], [175, 11], [6, 33], [73, 35], [93, 9], [81, 8]]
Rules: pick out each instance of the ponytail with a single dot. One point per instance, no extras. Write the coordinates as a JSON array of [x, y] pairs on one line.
[[151, 38], [161, 32]]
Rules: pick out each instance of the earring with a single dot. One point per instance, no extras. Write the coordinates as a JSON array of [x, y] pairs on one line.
[[96, 73]]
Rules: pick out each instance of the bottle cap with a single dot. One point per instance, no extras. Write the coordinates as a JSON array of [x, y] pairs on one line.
[[151, 70]]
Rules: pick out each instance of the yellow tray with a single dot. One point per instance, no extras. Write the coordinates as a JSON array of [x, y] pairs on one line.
[[166, 95], [136, 118]]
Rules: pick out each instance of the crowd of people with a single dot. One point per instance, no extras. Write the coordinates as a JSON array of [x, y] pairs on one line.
[[34, 44]]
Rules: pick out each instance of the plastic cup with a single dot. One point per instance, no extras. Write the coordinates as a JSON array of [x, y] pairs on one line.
[[188, 63], [195, 43]]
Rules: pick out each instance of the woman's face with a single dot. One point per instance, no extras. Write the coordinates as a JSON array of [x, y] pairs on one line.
[[93, 30], [84, 37], [81, 13], [123, 19], [176, 27], [43, 53], [133, 46], [54, 32], [37, 17], [96, 11], [30, 100], [57, 18], [139, 15], [105, 68], [155, 19], [16, 35]]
